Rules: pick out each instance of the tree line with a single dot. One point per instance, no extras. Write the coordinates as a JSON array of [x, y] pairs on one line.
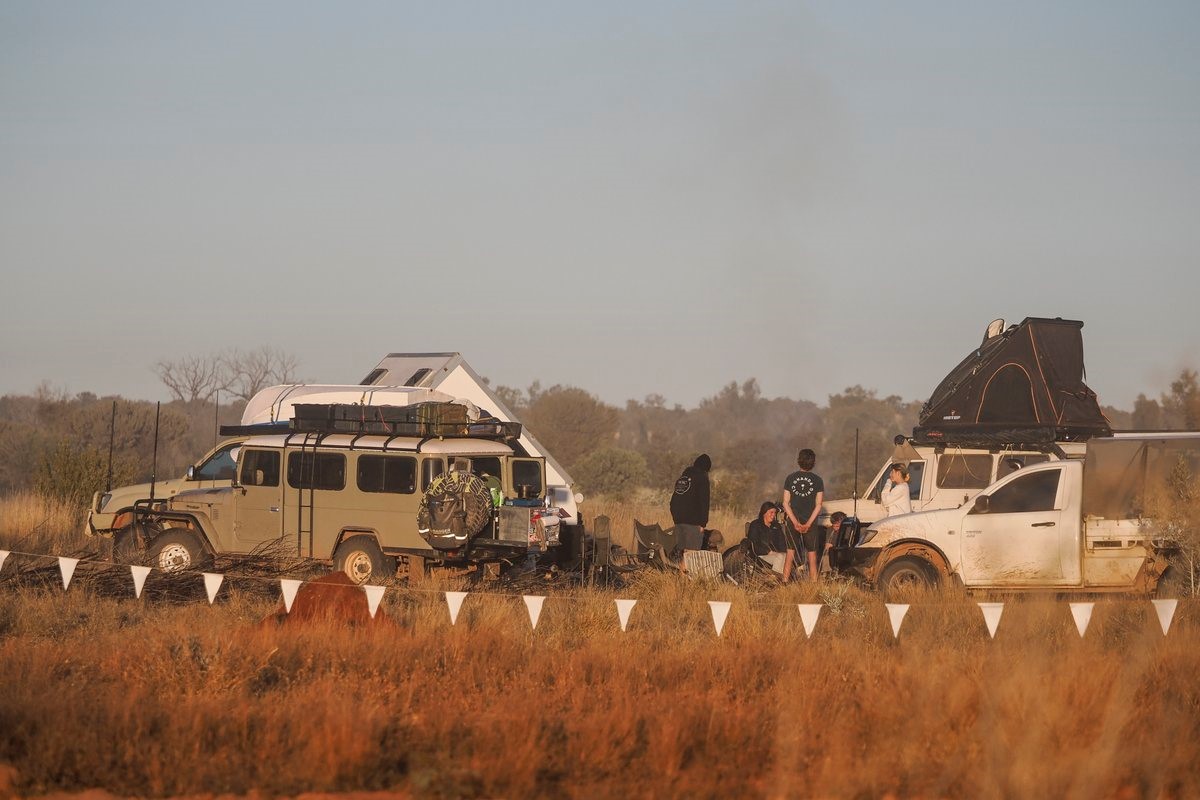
[[59, 443]]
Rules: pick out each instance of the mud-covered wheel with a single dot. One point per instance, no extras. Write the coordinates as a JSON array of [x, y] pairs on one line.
[[177, 550], [1174, 582], [906, 574], [360, 558], [127, 544]]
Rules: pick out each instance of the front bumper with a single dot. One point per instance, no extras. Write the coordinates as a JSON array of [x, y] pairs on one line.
[[857, 561]]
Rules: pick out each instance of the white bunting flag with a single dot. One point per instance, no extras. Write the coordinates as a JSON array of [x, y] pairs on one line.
[[374, 595], [896, 612], [67, 567], [454, 601], [991, 615], [809, 612], [533, 603], [720, 611], [1082, 612], [1166, 612], [623, 609], [139, 578], [3, 555], [290, 586], [212, 585]]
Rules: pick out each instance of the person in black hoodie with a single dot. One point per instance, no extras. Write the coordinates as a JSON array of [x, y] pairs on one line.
[[768, 541], [689, 504]]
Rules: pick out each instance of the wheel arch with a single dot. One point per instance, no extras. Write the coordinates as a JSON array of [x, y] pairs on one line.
[[913, 548], [355, 530]]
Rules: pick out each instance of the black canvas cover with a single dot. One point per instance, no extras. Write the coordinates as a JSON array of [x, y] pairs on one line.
[[1021, 386]]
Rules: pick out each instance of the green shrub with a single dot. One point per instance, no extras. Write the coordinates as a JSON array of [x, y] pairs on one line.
[[612, 471]]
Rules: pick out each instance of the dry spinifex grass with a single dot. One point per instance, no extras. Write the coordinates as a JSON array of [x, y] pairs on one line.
[[163, 699]]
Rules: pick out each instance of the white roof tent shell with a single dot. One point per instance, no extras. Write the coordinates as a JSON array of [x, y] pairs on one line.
[[449, 373]]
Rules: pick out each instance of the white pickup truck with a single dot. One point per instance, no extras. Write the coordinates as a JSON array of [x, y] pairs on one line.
[[1067, 525], [943, 476]]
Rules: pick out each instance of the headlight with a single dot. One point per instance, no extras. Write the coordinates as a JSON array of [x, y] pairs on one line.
[[104, 498], [867, 536]]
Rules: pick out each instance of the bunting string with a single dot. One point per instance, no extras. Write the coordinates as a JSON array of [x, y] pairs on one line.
[[1081, 612]]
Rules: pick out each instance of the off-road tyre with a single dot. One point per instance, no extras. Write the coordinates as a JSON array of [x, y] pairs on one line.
[[1174, 583], [360, 558], [129, 543], [907, 573], [178, 550]]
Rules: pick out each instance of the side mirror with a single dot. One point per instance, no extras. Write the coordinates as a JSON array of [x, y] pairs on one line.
[[981, 504], [191, 473]]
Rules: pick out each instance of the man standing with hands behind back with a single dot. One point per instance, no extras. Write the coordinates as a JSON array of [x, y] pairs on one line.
[[803, 493]]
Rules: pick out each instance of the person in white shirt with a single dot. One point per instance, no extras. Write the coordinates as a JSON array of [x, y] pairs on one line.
[[895, 497]]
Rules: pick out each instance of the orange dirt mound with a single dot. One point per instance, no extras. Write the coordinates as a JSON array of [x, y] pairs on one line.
[[330, 598]]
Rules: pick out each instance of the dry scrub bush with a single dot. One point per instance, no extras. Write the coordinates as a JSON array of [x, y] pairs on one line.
[[162, 699], [37, 523]]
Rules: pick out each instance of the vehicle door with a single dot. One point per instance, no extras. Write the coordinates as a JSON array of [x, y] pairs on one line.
[[525, 481], [388, 487], [1011, 535], [317, 504], [258, 503]]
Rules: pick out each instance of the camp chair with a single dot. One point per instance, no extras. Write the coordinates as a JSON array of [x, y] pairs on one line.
[[655, 545]]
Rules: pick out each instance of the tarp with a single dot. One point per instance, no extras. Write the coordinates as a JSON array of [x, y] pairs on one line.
[[1021, 386]]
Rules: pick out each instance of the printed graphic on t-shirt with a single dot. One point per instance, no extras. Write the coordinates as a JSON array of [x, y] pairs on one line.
[[802, 486], [683, 485]]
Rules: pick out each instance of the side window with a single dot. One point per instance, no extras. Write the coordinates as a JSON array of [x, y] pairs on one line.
[[316, 471], [527, 478], [485, 465], [1034, 492], [916, 471], [392, 474], [430, 469], [221, 466], [964, 470], [260, 467]]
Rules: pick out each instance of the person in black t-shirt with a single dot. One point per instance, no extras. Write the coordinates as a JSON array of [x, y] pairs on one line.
[[803, 493]]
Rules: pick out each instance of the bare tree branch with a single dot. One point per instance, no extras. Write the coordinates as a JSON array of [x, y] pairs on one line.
[[192, 377], [252, 371]]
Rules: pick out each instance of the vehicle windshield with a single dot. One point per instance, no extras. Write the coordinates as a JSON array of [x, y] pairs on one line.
[[220, 466]]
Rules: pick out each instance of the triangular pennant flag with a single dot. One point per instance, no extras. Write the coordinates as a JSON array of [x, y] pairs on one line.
[[3, 555], [1083, 615], [1166, 612], [67, 567], [212, 585], [991, 615], [454, 601], [809, 612], [896, 612], [623, 609], [290, 586], [374, 595], [720, 610], [533, 603], [139, 578]]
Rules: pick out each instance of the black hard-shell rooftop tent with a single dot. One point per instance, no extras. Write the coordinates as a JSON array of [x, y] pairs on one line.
[[1022, 386]]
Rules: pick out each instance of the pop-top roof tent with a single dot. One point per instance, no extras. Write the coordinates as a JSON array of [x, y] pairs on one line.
[[450, 373], [1021, 387]]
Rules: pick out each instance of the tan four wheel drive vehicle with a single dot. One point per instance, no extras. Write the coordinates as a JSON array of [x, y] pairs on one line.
[[363, 502], [111, 512]]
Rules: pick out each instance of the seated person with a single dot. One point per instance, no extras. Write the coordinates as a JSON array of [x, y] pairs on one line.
[[714, 540], [767, 541]]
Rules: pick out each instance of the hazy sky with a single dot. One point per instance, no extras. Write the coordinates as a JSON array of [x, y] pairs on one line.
[[629, 197]]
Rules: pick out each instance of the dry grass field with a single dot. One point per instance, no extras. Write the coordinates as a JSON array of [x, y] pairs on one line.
[[168, 696]]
